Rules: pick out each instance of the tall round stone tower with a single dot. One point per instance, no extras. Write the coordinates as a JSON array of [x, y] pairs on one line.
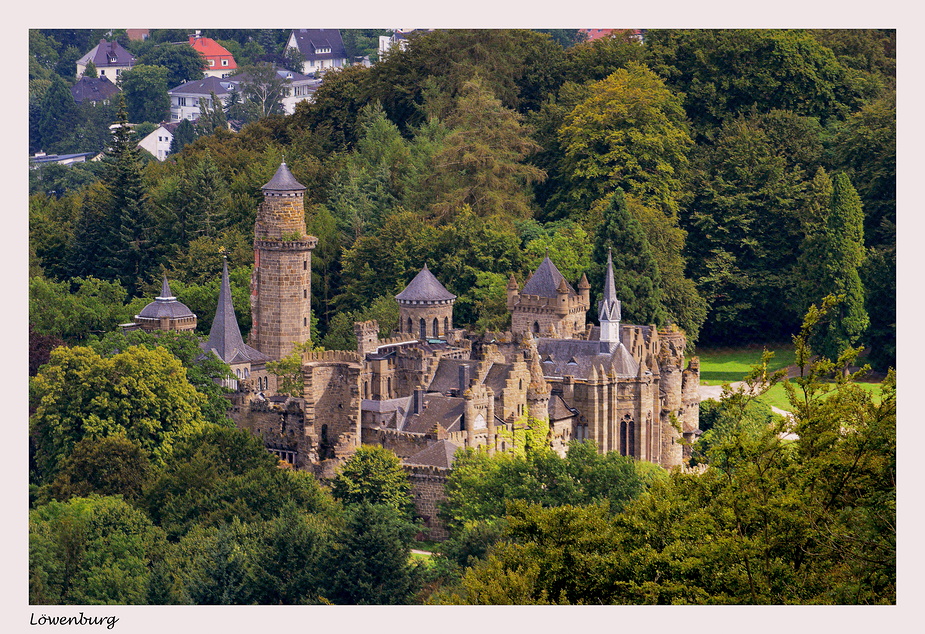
[[281, 284]]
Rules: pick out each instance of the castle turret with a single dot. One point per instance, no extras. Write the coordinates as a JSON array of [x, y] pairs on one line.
[[425, 307], [547, 304], [281, 284]]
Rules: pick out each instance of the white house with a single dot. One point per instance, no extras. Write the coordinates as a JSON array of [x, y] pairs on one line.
[[185, 98], [158, 142], [110, 59], [323, 49]]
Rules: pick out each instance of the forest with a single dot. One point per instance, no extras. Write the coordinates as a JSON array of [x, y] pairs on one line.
[[745, 180]]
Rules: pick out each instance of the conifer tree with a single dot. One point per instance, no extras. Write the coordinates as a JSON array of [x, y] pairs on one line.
[[636, 274], [126, 248], [90, 70], [842, 245], [184, 133], [59, 118]]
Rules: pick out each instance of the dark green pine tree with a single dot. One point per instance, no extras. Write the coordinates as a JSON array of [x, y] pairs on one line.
[[127, 252], [182, 134], [206, 198], [58, 119], [842, 243], [635, 271]]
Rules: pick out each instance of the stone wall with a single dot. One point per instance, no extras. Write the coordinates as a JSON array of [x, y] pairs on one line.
[[402, 444], [427, 489]]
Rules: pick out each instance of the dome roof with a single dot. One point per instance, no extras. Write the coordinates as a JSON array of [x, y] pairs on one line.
[[425, 288], [165, 305]]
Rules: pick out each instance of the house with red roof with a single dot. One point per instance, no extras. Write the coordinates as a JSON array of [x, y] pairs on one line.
[[220, 60]]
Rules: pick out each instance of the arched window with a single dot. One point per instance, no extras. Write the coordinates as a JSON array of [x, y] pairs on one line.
[[388, 387], [423, 327], [627, 437], [436, 327], [410, 325], [446, 325], [536, 327]]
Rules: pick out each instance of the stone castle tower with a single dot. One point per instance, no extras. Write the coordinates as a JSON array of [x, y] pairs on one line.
[[425, 307], [281, 284], [547, 305]]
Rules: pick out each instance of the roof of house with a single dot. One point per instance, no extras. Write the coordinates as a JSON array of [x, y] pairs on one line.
[[425, 287], [283, 181], [59, 158], [107, 54], [209, 48], [205, 86], [446, 377], [165, 305], [546, 280], [559, 409], [225, 336], [310, 40], [93, 89], [576, 357], [439, 454]]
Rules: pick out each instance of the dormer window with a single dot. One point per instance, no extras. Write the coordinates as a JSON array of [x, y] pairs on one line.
[[224, 62]]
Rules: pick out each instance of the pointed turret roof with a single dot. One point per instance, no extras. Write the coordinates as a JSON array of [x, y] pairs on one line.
[[609, 304], [165, 305], [546, 280], [425, 287], [283, 181], [225, 336]]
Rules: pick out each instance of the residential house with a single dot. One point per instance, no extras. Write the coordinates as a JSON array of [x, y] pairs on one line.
[[158, 142], [220, 60], [323, 49], [110, 59], [399, 39], [41, 158], [94, 90], [185, 98]]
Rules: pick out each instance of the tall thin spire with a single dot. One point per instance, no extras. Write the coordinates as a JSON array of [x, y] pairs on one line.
[[165, 290], [225, 336], [609, 308]]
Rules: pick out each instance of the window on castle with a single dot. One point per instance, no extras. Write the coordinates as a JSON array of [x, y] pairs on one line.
[[410, 325], [305, 265], [304, 293], [305, 321], [423, 328], [446, 325], [436, 326], [536, 327]]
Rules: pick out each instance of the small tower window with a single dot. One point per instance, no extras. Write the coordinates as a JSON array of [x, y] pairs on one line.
[[304, 321], [304, 293], [304, 265]]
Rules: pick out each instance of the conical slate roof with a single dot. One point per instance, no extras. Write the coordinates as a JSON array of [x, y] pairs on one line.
[[225, 336], [165, 305], [609, 305], [545, 280], [283, 181], [425, 287]]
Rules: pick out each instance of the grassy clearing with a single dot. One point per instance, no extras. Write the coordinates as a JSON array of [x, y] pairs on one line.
[[728, 365]]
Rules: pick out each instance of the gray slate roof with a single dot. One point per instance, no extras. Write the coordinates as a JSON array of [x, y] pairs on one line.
[[283, 181], [559, 409], [425, 287], [446, 377], [225, 336], [93, 89], [545, 280], [204, 87], [439, 454], [106, 54], [445, 410], [310, 40], [165, 305], [575, 357]]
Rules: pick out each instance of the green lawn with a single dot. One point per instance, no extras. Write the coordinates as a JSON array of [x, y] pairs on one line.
[[727, 365]]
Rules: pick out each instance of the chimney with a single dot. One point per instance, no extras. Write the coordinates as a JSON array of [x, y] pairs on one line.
[[464, 374]]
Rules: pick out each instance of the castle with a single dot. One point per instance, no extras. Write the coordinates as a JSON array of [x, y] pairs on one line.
[[432, 388]]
